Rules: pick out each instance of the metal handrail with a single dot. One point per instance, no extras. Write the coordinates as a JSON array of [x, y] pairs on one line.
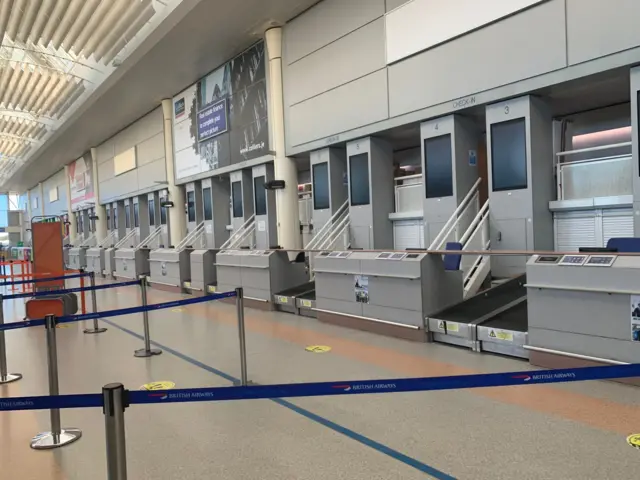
[[150, 238], [132, 233], [241, 238], [106, 241], [88, 240], [190, 238], [239, 233], [335, 233], [453, 220], [327, 227], [475, 224], [594, 149]]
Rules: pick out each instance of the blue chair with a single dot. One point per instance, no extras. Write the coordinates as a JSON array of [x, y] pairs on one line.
[[452, 261], [625, 245]]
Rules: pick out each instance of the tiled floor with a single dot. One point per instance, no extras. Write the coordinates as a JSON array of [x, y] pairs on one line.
[[573, 431]]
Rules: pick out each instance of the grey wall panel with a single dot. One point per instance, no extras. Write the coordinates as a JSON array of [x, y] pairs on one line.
[[150, 150], [325, 23], [596, 28], [59, 206], [352, 56], [105, 151], [391, 4], [105, 170], [150, 174], [352, 105], [482, 60]]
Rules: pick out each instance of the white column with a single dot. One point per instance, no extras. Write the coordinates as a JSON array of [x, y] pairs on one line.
[[285, 168], [41, 190], [73, 232], [100, 210], [177, 215], [27, 221]]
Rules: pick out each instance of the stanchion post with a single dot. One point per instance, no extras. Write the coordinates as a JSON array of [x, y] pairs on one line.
[[58, 436], [147, 351], [241, 336], [115, 402], [83, 304], [94, 303], [4, 376]]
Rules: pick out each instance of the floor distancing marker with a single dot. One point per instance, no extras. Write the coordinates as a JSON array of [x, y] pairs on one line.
[[318, 349], [161, 385], [634, 440]]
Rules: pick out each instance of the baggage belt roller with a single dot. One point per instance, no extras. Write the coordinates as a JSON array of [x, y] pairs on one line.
[[457, 325]]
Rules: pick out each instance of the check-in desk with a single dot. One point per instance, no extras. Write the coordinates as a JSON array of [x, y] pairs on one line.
[[583, 309], [131, 262], [203, 271], [95, 260], [77, 258], [170, 268], [387, 293], [262, 274]]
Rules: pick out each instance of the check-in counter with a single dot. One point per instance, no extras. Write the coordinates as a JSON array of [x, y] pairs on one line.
[[262, 274], [77, 258], [388, 293], [170, 267], [131, 262], [203, 271]]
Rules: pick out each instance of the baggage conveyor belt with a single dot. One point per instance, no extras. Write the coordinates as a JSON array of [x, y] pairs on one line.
[[494, 320], [300, 300]]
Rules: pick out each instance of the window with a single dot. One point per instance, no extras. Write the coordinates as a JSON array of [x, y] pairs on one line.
[[136, 215], [108, 213], [260, 195], [509, 155], [191, 206], [207, 202], [236, 199], [152, 212], [53, 195], [127, 216], [359, 179], [320, 186], [115, 217], [163, 215], [438, 167]]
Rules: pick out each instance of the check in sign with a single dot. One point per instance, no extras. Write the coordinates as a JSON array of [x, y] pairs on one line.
[[212, 120]]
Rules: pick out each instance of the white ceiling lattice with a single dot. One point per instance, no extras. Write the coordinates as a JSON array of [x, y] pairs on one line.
[[53, 53]]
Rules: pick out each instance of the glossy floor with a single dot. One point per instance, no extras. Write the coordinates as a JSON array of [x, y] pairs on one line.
[[573, 431]]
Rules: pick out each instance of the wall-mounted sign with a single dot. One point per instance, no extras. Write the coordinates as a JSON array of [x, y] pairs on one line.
[[81, 180], [178, 108], [212, 120]]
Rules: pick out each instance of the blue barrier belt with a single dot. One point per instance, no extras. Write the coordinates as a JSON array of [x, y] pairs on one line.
[[385, 386], [356, 387], [86, 400], [47, 279], [117, 313], [70, 290]]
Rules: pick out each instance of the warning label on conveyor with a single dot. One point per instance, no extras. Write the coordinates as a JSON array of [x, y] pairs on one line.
[[501, 335], [635, 318]]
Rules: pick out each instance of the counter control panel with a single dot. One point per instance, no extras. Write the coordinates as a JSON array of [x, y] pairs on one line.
[[577, 260]]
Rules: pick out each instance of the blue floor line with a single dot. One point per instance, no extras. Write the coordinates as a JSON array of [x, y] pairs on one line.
[[412, 462]]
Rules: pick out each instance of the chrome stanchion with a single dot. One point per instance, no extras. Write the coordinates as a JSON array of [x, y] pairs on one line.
[[4, 376], [147, 351], [94, 301], [115, 402], [58, 436], [241, 335]]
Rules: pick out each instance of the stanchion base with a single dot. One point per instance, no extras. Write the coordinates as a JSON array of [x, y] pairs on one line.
[[142, 353], [10, 377], [90, 331], [47, 440]]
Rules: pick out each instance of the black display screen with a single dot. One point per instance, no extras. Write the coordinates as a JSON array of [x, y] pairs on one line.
[[236, 199], [509, 155], [359, 180], [127, 216], [207, 203], [438, 167], [152, 212], [260, 195], [136, 215], [163, 215], [191, 206], [320, 186]]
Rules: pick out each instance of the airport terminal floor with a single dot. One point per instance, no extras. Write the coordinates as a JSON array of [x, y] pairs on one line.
[[560, 431]]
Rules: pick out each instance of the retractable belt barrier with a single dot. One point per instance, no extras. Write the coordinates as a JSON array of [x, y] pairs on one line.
[[317, 389], [45, 279], [70, 290]]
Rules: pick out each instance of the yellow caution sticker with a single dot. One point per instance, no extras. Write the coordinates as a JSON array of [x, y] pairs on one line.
[[211, 289], [449, 326], [63, 325], [177, 310], [501, 335], [634, 440], [318, 349], [187, 285], [283, 299], [305, 303], [153, 386]]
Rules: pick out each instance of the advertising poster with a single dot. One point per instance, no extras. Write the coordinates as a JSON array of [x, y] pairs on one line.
[[222, 120], [361, 288], [635, 318], [81, 180]]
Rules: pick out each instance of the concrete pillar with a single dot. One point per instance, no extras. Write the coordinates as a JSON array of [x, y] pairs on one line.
[[100, 210], [177, 215], [73, 231], [288, 226]]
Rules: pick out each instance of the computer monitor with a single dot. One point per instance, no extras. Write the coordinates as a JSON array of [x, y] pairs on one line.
[[597, 250]]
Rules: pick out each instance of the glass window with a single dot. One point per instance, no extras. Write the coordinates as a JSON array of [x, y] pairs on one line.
[[152, 212], [163, 215], [207, 201], [136, 215], [320, 186], [236, 199], [438, 167], [191, 206], [108, 212], [359, 179], [509, 155], [115, 217], [260, 195], [127, 216]]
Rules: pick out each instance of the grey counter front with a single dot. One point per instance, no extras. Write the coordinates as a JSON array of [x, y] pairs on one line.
[[390, 293], [169, 267], [583, 307]]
